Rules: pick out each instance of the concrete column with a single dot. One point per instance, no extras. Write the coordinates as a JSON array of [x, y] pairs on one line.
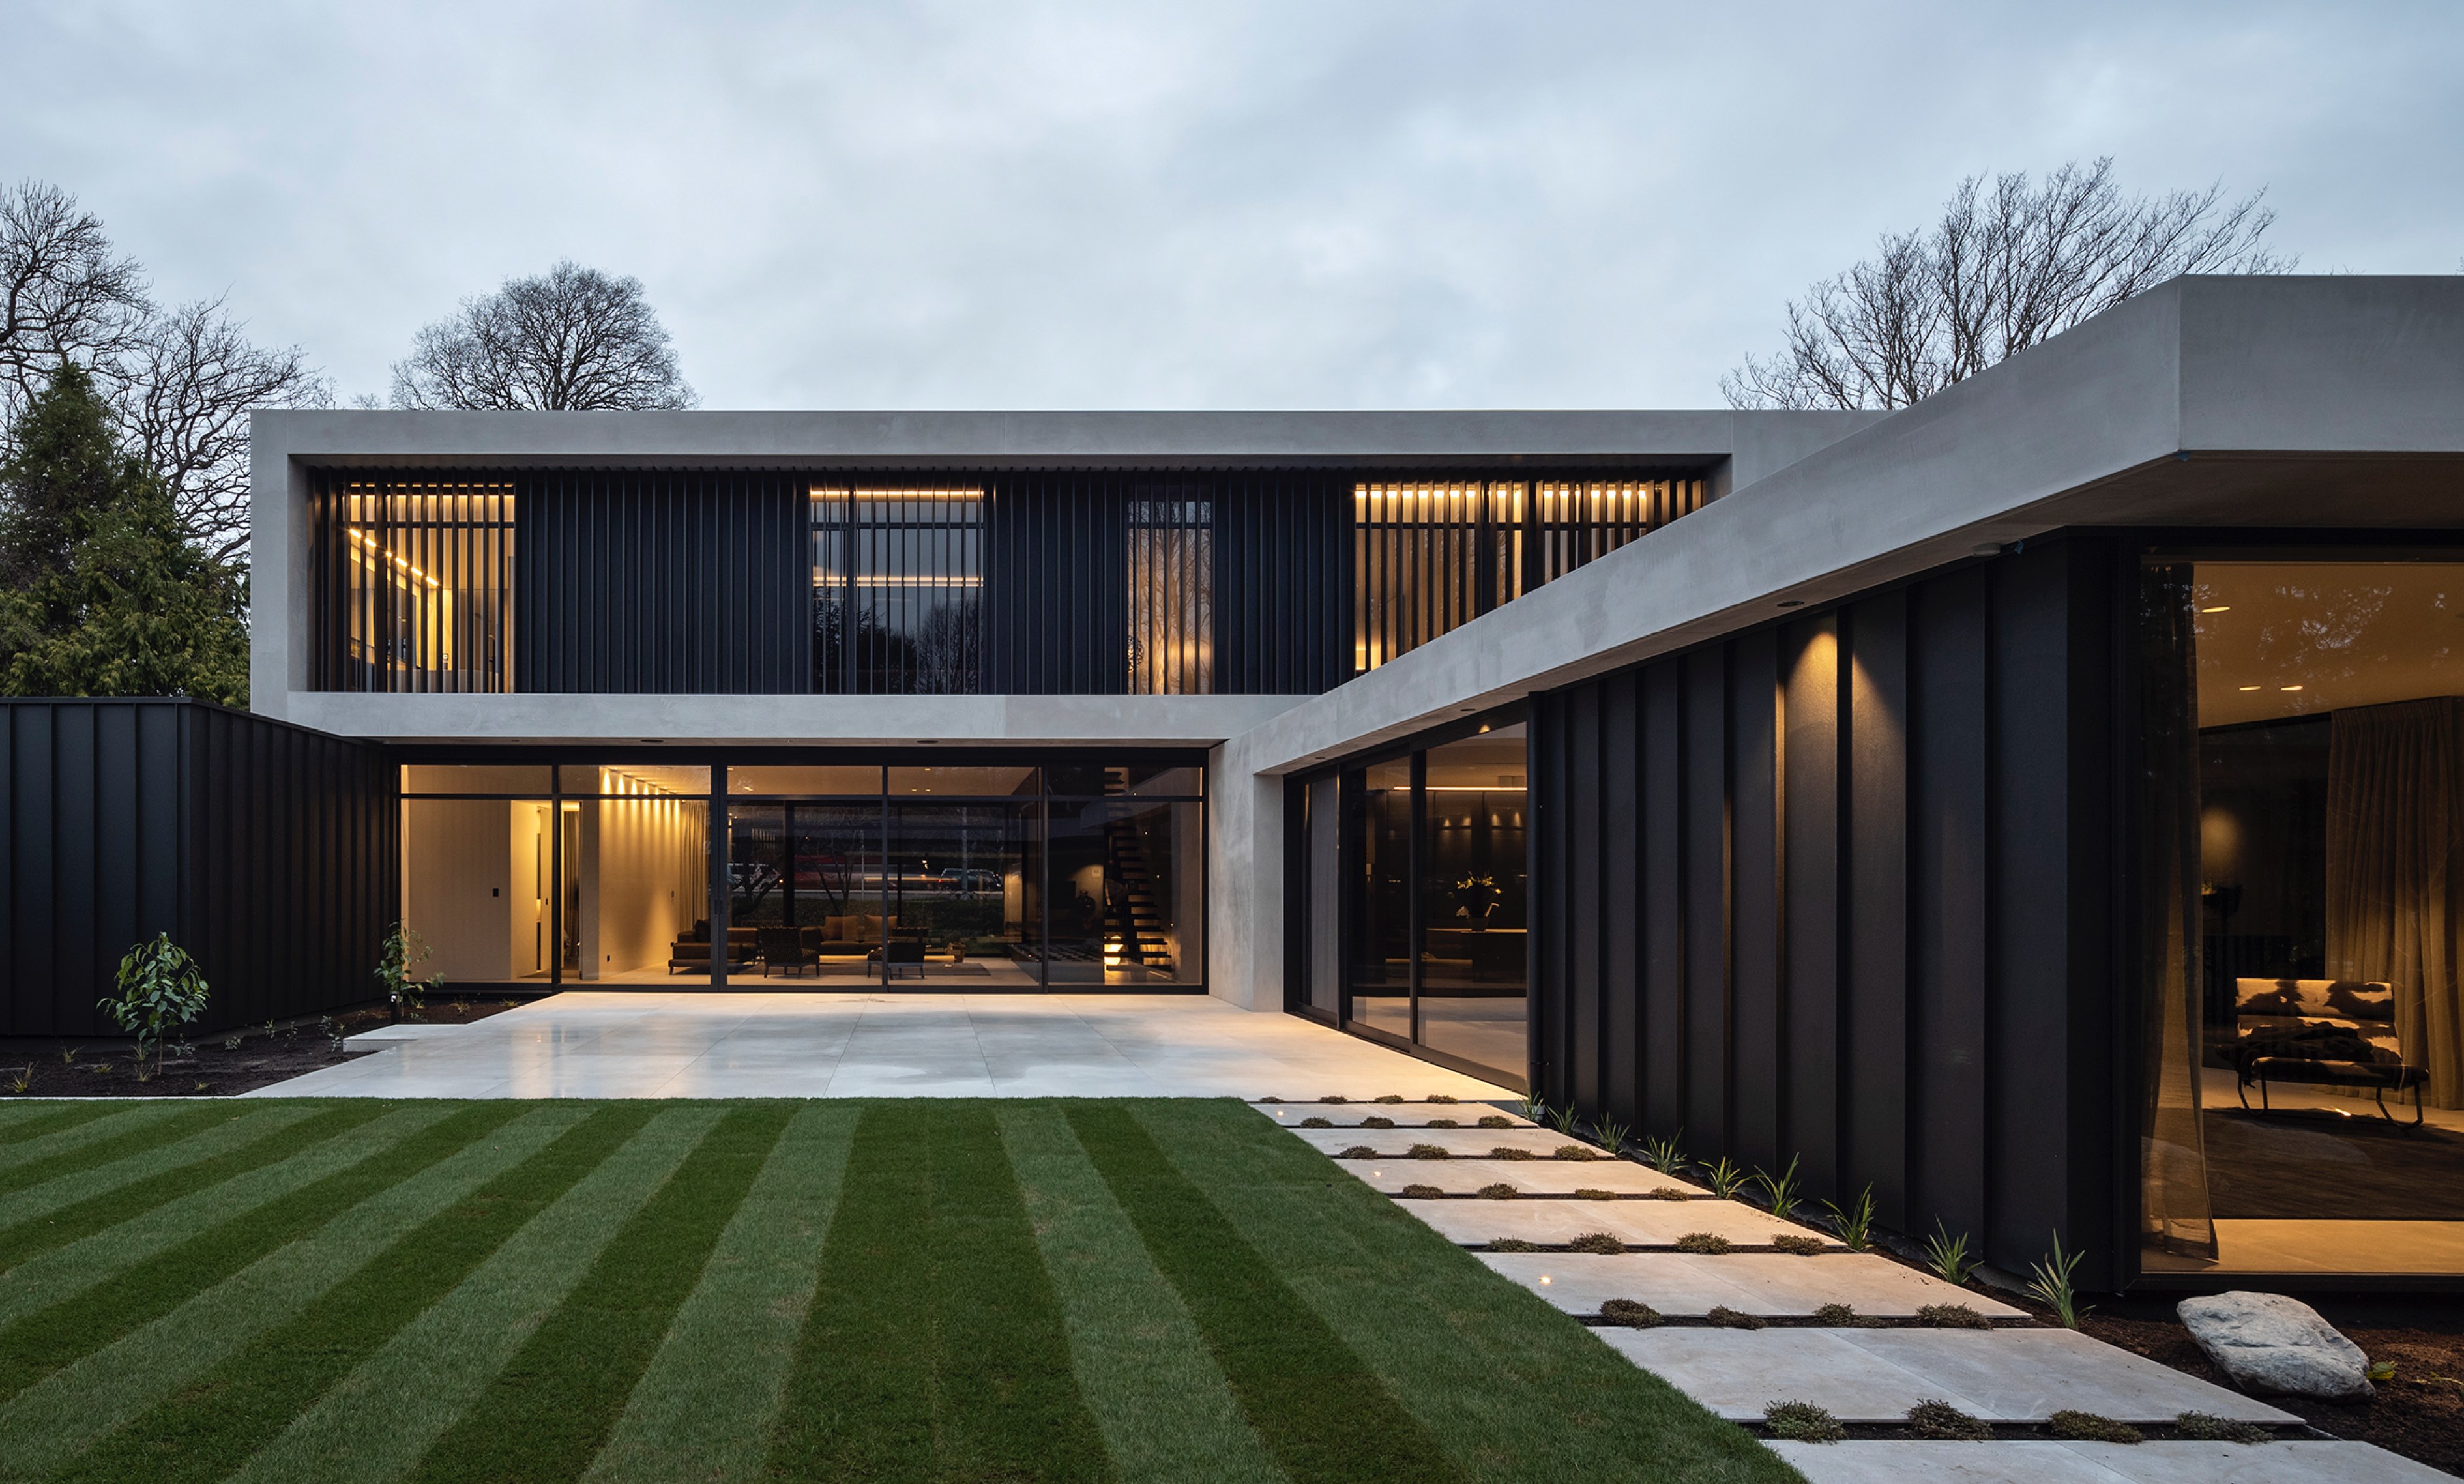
[[1244, 880]]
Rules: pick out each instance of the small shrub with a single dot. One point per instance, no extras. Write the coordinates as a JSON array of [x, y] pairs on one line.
[[1855, 1224], [1664, 1154], [1629, 1313], [2089, 1428], [1781, 1190], [203, 1087], [1502, 1152], [2203, 1427], [1611, 1135], [1802, 1422], [1376, 1120], [1513, 1244], [1722, 1316], [1359, 1151], [1270, 1100], [1563, 1120], [22, 1080], [1500, 1191], [1443, 1123], [1496, 1121], [68, 1055], [1839, 1315], [161, 989], [1801, 1246], [1440, 1097], [1599, 1242], [1711, 1242], [1941, 1421], [1725, 1178], [1421, 1193], [1391, 1096], [1948, 1255], [1576, 1151], [399, 960], [1316, 1121], [230, 1043], [1951, 1316], [1595, 1196], [2052, 1285], [1666, 1192], [1334, 1098], [1428, 1151]]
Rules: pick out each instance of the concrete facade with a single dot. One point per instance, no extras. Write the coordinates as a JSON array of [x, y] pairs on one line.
[[2272, 402]]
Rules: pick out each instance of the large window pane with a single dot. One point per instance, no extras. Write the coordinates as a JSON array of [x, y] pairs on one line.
[[963, 894], [417, 587], [1378, 830], [1128, 893], [1473, 901], [636, 883], [998, 782], [668, 781], [852, 780], [1322, 913], [474, 778], [477, 878], [897, 578], [1170, 585]]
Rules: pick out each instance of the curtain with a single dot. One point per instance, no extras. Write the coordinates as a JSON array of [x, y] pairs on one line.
[[2392, 873], [2174, 1212]]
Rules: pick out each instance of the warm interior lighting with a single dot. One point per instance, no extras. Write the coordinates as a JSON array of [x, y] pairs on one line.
[[2288, 687], [2253, 688], [2218, 608], [370, 544]]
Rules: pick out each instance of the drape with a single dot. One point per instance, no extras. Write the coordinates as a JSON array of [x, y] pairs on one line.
[[2174, 1214], [2393, 872]]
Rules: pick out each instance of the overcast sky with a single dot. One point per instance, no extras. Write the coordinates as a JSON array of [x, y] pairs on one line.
[[1336, 205]]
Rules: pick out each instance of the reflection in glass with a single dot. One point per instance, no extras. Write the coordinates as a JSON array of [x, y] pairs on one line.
[[861, 781], [806, 888], [1380, 831], [965, 902], [895, 575], [996, 782], [1323, 874], [1473, 904], [474, 778], [1127, 896]]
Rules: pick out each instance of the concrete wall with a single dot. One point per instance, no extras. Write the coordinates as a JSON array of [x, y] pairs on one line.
[[458, 885], [645, 877]]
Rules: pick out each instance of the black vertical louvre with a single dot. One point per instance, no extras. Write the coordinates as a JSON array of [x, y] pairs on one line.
[[1283, 585], [413, 581], [1837, 891], [897, 587], [666, 583], [1056, 584]]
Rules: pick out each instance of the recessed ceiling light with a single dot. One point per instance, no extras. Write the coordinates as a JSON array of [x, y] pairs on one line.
[[2218, 608], [2288, 687], [2253, 688]]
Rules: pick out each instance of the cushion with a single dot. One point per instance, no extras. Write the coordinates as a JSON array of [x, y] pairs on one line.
[[2343, 1000]]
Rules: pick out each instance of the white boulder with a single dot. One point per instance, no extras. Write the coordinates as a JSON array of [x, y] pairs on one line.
[[2272, 1346]]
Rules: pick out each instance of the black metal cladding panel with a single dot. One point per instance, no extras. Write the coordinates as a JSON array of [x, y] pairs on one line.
[[1283, 591], [1056, 584], [1865, 932], [266, 851], [663, 583]]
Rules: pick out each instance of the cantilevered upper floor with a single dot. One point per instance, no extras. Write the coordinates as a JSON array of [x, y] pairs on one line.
[[1155, 577]]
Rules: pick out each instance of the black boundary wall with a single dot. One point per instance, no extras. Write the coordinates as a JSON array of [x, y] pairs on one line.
[[1842, 888], [268, 851]]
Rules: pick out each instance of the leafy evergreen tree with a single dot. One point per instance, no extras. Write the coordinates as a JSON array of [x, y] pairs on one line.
[[100, 596]]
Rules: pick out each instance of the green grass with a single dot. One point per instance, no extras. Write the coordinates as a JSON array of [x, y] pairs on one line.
[[356, 1292]]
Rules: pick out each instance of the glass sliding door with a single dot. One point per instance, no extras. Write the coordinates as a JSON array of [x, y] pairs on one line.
[[965, 892], [1472, 1000], [1380, 831]]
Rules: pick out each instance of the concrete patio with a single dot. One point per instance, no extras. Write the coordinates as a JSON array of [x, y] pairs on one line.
[[699, 1044]]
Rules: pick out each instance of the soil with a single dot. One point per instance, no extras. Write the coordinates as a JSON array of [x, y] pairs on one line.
[[216, 1064], [2419, 1414]]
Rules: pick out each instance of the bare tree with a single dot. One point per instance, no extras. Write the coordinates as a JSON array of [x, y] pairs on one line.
[[572, 340], [179, 382], [65, 296], [2006, 267], [183, 389]]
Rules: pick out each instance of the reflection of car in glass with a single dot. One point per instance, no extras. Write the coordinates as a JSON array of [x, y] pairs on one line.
[[964, 883]]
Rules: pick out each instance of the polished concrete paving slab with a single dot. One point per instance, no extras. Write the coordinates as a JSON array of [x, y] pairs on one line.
[[1404, 1115], [1690, 1284], [2049, 1462], [1876, 1375], [729, 1044], [1634, 1223], [1457, 1143], [1527, 1177]]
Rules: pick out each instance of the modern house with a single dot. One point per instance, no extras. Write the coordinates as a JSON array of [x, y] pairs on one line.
[[1973, 803]]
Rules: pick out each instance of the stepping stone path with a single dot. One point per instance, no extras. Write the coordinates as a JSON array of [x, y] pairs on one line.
[[2011, 1372]]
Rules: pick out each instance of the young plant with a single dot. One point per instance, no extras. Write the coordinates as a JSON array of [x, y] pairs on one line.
[[1948, 1255], [1563, 1120], [398, 964], [1943, 1422], [1855, 1224], [22, 1080], [1781, 1189], [161, 989], [1534, 1110], [2052, 1285], [1802, 1422], [1725, 1178], [1611, 1135], [1664, 1155]]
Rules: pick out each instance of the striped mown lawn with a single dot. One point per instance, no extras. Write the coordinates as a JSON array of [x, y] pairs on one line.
[[329, 1293]]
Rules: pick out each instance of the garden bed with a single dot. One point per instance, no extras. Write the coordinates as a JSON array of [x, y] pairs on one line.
[[211, 1066]]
